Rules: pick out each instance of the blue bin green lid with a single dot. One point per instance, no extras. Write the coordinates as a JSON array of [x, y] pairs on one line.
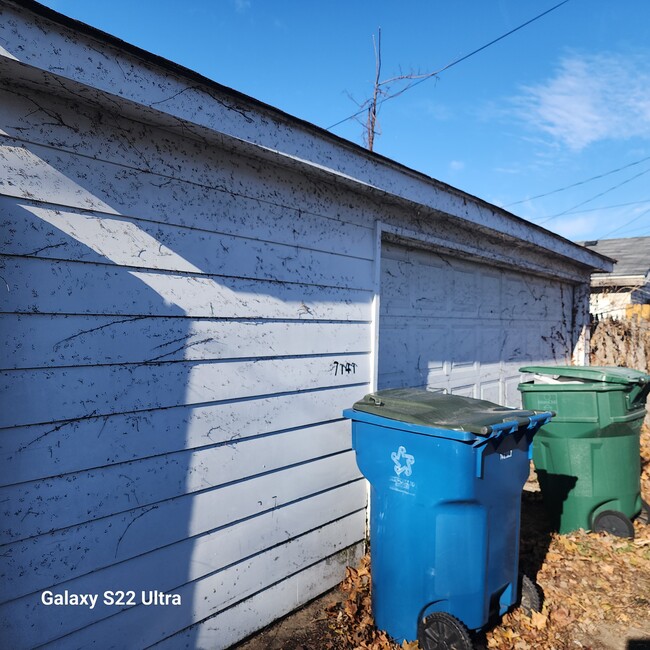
[[609, 374], [436, 409]]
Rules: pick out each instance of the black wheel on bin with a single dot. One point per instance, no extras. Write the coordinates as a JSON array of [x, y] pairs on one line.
[[613, 522], [445, 632], [530, 598], [644, 515]]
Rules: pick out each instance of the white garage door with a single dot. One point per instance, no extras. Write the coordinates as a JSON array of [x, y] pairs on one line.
[[465, 326]]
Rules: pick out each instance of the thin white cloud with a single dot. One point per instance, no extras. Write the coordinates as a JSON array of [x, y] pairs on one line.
[[457, 165], [591, 98], [242, 5]]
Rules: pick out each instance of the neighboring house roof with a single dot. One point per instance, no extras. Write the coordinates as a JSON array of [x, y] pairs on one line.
[[632, 255]]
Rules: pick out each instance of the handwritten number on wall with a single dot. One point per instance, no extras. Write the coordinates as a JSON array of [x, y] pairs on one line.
[[345, 368]]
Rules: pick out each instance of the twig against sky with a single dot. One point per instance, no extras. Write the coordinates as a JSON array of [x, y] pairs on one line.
[[420, 78]]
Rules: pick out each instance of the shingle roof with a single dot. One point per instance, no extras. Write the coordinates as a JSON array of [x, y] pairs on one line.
[[632, 254]]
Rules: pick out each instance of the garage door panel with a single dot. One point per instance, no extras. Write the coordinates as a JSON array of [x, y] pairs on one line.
[[491, 391], [468, 390], [516, 291], [395, 281], [491, 342], [464, 326], [514, 345], [458, 377], [491, 287], [536, 298], [534, 344], [393, 351], [518, 300], [464, 346], [433, 344], [430, 284], [464, 292], [512, 396], [437, 378]]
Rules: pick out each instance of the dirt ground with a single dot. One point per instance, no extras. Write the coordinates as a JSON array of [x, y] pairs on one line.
[[596, 595]]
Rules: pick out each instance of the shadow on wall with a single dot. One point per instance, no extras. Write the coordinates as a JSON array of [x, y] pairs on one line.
[[94, 469], [139, 395]]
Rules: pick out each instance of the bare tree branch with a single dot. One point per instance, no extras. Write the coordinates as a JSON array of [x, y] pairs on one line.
[[380, 93], [381, 88]]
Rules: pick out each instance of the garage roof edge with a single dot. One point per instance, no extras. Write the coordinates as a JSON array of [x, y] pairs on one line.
[[506, 222]]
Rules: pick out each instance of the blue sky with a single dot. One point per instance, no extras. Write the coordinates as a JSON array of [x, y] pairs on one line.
[[561, 101]]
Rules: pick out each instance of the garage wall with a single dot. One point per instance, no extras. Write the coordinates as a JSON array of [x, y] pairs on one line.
[[467, 326], [181, 330]]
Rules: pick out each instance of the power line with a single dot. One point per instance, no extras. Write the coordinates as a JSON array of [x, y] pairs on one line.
[[632, 234], [587, 180], [452, 64], [593, 198], [609, 207], [611, 232], [638, 231]]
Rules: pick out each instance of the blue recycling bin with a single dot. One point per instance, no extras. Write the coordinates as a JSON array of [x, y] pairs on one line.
[[446, 475]]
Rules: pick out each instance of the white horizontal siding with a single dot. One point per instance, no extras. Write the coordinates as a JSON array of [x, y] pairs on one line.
[[36, 340], [144, 529], [268, 560], [313, 217], [103, 390], [48, 286], [182, 328], [87, 443], [236, 623], [218, 181], [79, 497], [72, 236]]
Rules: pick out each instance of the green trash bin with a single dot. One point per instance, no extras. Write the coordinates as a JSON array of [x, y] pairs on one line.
[[588, 457]]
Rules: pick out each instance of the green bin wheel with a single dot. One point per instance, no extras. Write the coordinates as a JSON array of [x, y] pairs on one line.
[[644, 515], [445, 632], [530, 599], [613, 522]]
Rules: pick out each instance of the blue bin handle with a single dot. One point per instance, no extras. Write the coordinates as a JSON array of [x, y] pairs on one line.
[[505, 428], [510, 425]]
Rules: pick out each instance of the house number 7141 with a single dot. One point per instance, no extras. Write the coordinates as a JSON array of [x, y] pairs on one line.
[[346, 368]]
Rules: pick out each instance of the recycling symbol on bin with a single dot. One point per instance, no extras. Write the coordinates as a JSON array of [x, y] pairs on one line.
[[400, 456]]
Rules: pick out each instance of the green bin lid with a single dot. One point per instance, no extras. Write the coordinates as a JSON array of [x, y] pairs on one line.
[[436, 409], [609, 374]]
